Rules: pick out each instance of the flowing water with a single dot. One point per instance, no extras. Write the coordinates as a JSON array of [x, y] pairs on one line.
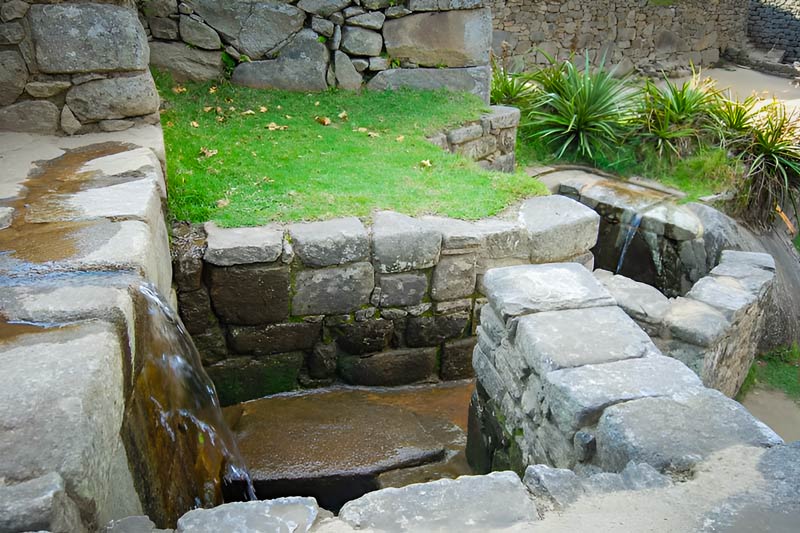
[[632, 229], [175, 430]]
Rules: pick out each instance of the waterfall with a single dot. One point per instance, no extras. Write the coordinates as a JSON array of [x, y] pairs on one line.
[[632, 229]]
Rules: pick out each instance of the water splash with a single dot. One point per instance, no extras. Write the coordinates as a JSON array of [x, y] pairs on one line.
[[175, 426], [632, 229]]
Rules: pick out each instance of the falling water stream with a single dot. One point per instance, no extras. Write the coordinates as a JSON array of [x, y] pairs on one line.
[[632, 229], [174, 426]]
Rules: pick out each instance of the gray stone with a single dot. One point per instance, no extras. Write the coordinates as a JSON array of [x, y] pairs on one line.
[[372, 20], [30, 116], [465, 133], [604, 483], [100, 38], [46, 89], [164, 28], [559, 228], [457, 359], [727, 295], [11, 33], [458, 236], [331, 291], [360, 64], [332, 242], [454, 277], [195, 311], [395, 367], [255, 28], [402, 289], [293, 513], [758, 260], [185, 63], [754, 280], [561, 486], [337, 18], [578, 396], [361, 42], [394, 12], [115, 125], [376, 4], [502, 117], [677, 432], [197, 34], [477, 149], [433, 330], [347, 77], [335, 42], [69, 123], [250, 294], [401, 243], [641, 301], [132, 524], [301, 66], [695, 322], [365, 337], [450, 38], [13, 76], [487, 374], [501, 239], [377, 64], [114, 98], [238, 246], [185, 9], [13, 9], [469, 503], [643, 476], [274, 338], [520, 290], [323, 8], [6, 217], [159, 8], [38, 504], [353, 11], [674, 221], [576, 337], [322, 26], [450, 306]]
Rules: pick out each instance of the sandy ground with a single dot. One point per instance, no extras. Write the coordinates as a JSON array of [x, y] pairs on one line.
[[777, 410], [743, 82]]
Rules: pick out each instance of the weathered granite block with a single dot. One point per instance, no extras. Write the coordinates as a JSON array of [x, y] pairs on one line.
[[561, 486], [457, 359], [558, 227], [725, 294], [250, 294], [331, 291], [477, 149], [237, 246], [364, 337], [433, 330], [758, 260], [274, 338], [454, 277], [640, 301], [38, 504], [502, 117], [401, 243], [753, 279], [195, 311], [465, 133], [243, 378], [402, 289], [332, 242], [673, 221], [292, 513], [695, 322], [487, 374], [396, 367], [458, 236]]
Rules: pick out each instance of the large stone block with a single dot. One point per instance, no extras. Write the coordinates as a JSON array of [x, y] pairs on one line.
[[329, 243], [323, 8], [114, 98], [675, 433], [695, 322], [725, 294], [492, 502], [449, 38], [195, 311], [333, 290], [195, 33], [184, 62], [30, 116], [13, 76], [282, 514], [250, 294], [240, 246], [361, 42], [558, 227], [454, 277], [302, 65], [520, 290], [360, 338], [398, 290], [640, 301], [401, 243], [255, 28], [577, 337], [396, 367], [274, 338], [457, 359], [37, 505], [459, 236], [75, 38], [473, 80], [433, 330], [242, 378]]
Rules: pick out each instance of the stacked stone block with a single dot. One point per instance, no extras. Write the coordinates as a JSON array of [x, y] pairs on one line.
[[775, 24], [73, 68], [312, 44], [275, 307]]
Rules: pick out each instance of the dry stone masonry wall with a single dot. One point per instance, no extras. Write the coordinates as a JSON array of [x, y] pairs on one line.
[[73, 67], [776, 24], [650, 36], [395, 303], [310, 45]]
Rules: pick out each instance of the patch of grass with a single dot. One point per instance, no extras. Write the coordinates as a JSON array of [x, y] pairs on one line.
[[245, 157], [779, 369], [797, 242]]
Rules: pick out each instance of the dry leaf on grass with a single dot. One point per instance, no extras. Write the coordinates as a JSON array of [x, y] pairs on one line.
[[263, 109], [179, 89], [373, 134], [325, 121], [194, 124], [275, 127], [400, 139], [220, 119], [208, 152], [343, 115], [212, 89], [426, 163], [248, 112], [223, 202], [361, 130], [208, 109]]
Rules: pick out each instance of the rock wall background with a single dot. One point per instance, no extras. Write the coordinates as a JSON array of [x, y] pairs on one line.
[[631, 33], [73, 67], [776, 23]]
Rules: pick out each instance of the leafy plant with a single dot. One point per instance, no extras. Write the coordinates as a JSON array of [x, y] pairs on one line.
[[581, 111], [733, 119], [509, 88]]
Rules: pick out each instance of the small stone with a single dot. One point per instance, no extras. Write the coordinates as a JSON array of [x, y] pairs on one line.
[[237, 246], [38, 504], [337, 18], [331, 242], [454, 277], [6, 217], [372, 21], [46, 89], [394, 12], [130, 524], [69, 123], [322, 26], [115, 125], [14, 9], [457, 359], [323, 8], [11, 33], [347, 77], [163, 28], [283, 514], [159, 8], [364, 337], [361, 42], [186, 63], [360, 64], [561, 486], [353, 11], [13, 74], [185, 9], [643, 476], [114, 98], [198, 34], [433, 330], [376, 64], [30, 116]]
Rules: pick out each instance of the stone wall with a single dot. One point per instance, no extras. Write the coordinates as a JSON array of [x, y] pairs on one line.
[[776, 24], [73, 67], [275, 307], [311, 45], [649, 36], [567, 379]]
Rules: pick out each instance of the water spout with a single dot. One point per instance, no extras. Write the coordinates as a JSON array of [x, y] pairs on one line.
[[632, 229]]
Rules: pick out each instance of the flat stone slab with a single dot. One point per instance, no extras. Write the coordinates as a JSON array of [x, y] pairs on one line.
[[673, 221], [237, 246], [676, 432], [332, 242], [755, 259], [639, 300], [39, 504], [469, 503], [695, 322], [456, 234], [294, 514], [559, 228], [578, 396], [616, 196], [401, 243], [521, 290], [752, 278], [333, 290], [576, 337], [725, 294]]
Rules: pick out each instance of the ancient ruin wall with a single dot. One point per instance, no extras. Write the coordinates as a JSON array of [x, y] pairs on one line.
[[644, 34], [776, 23]]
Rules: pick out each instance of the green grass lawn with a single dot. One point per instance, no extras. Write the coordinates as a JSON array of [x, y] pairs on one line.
[[245, 157], [778, 369]]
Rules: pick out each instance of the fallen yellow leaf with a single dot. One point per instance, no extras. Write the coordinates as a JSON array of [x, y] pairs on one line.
[[274, 127], [231, 109], [248, 112], [208, 152], [220, 119], [425, 163], [316, 103], [212, 89], [194, 124], [223, 202], [343, 115], [374, 134], [400, 139], [362, 130], [207, 109], [263, 109], [288, 117], [179, 89], [280, 107], [325, 121]]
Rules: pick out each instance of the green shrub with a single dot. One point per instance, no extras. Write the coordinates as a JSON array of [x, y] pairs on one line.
[[733, 119], [509, 88]]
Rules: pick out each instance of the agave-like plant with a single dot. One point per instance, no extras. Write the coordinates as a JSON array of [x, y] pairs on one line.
[[733, 119], [508, 88], [580, 111]]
